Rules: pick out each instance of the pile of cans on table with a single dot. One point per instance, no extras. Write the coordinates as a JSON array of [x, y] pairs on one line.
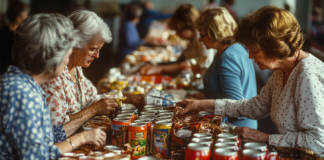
[[226, 146]]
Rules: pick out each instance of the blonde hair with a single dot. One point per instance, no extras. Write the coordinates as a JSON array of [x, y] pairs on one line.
[[218, 24], [273, 30], [183, 18]]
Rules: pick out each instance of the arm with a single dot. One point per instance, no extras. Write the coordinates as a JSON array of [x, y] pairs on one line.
[[308, 101], [136, 99], [132, 38]]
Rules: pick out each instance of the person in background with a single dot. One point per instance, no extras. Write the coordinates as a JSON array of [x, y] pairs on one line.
[[293, 96], [148, 16], [182, 21], [129, 39], [71, 97], [317, 29], [211, 4], [228, 4], [16, 12], [231, 75], [43, 45]]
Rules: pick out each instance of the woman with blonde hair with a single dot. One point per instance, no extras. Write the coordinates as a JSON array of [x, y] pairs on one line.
[[231, 75], [293, 96], [182, 21]]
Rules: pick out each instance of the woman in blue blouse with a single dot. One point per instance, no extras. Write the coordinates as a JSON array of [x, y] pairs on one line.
[[231, 75], [43, 44]]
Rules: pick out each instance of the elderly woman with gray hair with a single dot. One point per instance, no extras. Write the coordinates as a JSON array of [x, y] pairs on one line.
[[43, 45], [71, 98]]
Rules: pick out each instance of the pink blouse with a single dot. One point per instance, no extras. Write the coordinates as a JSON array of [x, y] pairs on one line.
[[62, 95], [297, 109]]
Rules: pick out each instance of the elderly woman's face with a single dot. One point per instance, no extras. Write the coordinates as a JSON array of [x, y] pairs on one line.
[[208, 42], [84, 56], [261, 59]]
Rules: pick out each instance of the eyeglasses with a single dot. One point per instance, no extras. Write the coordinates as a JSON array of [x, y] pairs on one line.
[[202, 36]]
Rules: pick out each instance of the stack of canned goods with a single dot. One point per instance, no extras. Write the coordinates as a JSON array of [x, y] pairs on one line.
[[227, 147]]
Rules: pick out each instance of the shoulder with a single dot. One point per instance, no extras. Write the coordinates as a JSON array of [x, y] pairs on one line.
[[310, 70], [235, 50], [59, 81]]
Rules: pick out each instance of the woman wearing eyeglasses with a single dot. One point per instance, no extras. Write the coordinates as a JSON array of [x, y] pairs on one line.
[[231, 75]]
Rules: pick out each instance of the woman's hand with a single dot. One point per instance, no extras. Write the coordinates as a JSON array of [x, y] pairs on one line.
[[150, 69], [96, 137], [251, 135], [198, 105], [104, 106]]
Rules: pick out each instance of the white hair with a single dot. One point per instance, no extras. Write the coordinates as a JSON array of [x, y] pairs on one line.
[[89, 24], [42, 41]]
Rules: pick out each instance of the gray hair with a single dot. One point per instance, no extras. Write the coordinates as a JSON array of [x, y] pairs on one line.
[[42, 41], [89, 24]]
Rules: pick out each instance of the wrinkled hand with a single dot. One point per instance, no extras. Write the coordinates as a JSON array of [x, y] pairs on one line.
[[95, 137], [105, 106], [251, 135], [149, 70], [194, 106]]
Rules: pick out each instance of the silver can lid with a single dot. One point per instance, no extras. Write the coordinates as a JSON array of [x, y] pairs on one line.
[[225, 152], [202, 135], [227, 136], [253, 153], [122, 119], [148, 158], [198, 139], [255, 145], [137, 125]]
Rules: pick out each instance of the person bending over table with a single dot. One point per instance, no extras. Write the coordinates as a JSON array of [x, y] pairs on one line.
[[231, 75], [43, 44], [72, 99], [294, 94]]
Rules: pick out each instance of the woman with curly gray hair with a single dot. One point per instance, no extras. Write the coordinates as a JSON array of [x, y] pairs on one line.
[[71, 97], [43, 45]]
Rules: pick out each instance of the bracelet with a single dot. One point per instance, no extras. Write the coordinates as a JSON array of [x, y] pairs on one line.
[[70, 143]]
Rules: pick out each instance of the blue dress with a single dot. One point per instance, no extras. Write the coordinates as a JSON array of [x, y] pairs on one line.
[[25, 127], [232, 76]]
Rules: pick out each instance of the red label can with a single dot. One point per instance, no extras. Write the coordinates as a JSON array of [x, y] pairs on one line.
[[194, 152], [120, 128], [257, 146], [251, 154], [230, 136], [225, 154]]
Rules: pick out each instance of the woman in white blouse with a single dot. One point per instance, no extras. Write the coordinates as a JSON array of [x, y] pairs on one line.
[[294, 94]]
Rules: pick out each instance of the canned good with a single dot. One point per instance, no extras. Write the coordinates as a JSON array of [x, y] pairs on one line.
[[165, 111], [152, 106], [119, 135], [137, 137], [97, 154], [161, 140], [110, 156], [225, 154], [72, 155], [162, 118], [165, 114], [198, 139], [149, 149], [251, 154], [197, 152], [147, 114], [202, 135], [155, 111], [111, 148], [148, 158], [256, 146], [126, 117], [230, 136], [273, 155], [128, 111], [226, 146], [126, 106]]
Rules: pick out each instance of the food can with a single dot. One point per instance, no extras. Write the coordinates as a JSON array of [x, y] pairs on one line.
[[152, 106], [165, 114], [161, 140], [201, 135], [119, 135], [127, 115], [130, 117], [273, 155], [256, 146], [198, 139], [155, 111], [230, 136], [72, 155], [225, 154], [127, 106], [200, 152], [114, 149], [137, 137], [148, 158], [165, 121], [162, 118], [251, 154], [148, 123], [226, 146], [128, 111], [97, 154], [147, 114], [165, 111]]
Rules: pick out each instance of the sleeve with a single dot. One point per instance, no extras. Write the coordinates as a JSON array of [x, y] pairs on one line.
[[158, 16], [25, 127], [132, 38], [56, 101], [229, 77], [309, 100], [257, 107], [59, 133]]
